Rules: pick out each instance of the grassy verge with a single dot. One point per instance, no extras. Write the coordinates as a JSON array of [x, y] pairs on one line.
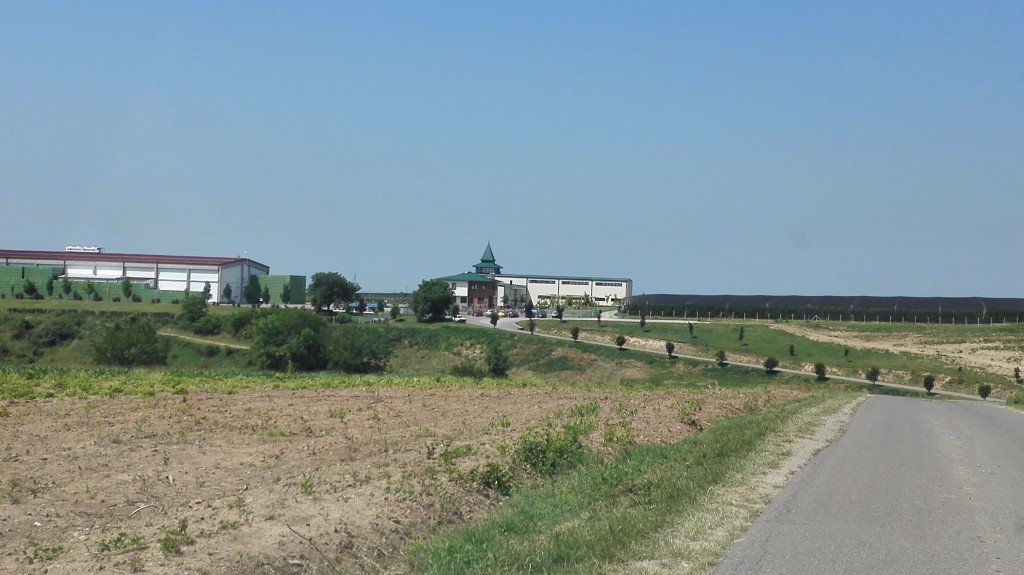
[[761, 341], [601, 517]]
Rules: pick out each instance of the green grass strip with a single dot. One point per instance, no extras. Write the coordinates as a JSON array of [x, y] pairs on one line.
[[598, 515]]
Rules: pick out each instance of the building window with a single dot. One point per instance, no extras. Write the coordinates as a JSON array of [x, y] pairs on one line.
[[462, 299], [608, 284], [542, 281], [574, 283], [454, 285]]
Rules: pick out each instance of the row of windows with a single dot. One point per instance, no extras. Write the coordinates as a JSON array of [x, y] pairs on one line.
[[542, 281], [574, 283], [608, 284]]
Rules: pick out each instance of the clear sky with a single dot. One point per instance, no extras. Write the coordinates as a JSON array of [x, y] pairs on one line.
[[809, 148]]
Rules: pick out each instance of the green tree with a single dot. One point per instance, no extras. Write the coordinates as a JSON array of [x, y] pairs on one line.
[[532, 325], [66, 286], [193, 308], [670, 348], [49, 286], [689, 326], [130, 341], [929, 383], [559, 312], [252, 291], [820, 371], [89, 288], [598, 318], [497, 361], [792, 350], [494, 319], [126, 287], [872, 374], [741, 334], [290, 339], [331, 290], [984, 390], [720, 357], [30, 288], [770, 364], [207, 288], [454, 310], [432, 299], [395, 312], [620, 341], [265, 294], [286, 294], [643, 321], [575, 332], [227, 292]]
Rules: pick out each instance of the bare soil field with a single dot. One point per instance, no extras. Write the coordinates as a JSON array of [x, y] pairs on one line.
[[993, 357], [282, 481]]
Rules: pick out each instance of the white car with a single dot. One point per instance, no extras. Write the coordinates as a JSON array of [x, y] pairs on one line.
[[459, 319]]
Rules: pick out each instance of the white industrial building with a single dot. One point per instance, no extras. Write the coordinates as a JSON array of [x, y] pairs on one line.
[[551, 289], [605, 291], [161, 272]]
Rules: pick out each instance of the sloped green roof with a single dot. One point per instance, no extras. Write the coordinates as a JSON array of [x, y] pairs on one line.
[[467, 277]]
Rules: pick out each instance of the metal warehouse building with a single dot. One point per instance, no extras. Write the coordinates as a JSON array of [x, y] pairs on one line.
[[162, 273]]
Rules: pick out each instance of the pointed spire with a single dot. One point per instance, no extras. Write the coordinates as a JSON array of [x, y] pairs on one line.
[[487, 265], [488, 254]]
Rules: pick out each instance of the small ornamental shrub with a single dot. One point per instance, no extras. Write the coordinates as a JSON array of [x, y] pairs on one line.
[[620, 341], [929, 383], [575, 332], [820, 371], [984, 390], [872, 374], [670, 347], [720, 357], [770, 364]]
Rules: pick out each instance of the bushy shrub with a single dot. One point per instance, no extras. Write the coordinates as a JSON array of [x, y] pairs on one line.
[[984, 390], [56, 329], [130, 341], [207, 325], [770, 364], [359, 349], [497, 361], [288, 339], [76, 296]]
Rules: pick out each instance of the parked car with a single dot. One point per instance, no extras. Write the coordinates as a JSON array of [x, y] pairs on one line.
[[502, 313], [540, 313], [489, 313], [459, 319], [513, 313], [477, 313]]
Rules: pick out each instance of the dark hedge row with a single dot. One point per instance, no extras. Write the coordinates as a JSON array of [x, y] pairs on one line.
[[861, 308]]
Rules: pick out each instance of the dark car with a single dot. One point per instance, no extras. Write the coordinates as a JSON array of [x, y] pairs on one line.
[[540, 313], [477, 313]]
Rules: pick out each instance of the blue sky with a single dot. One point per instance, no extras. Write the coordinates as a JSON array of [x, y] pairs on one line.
[[868, 148]]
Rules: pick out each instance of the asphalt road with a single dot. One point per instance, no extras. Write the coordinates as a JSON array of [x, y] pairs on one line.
[[913, 486]]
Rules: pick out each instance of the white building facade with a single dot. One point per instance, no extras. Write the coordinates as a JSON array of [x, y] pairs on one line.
[[170, 273], [600, 290]]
